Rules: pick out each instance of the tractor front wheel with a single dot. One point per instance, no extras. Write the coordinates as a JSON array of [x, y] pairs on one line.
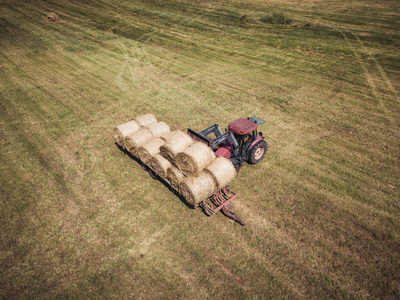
[[256, 154]]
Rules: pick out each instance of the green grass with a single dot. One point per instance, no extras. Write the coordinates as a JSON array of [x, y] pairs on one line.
[[276, 18], [81, 219]]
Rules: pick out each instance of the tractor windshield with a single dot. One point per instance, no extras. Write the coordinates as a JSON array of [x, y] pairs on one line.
[[245, 140]]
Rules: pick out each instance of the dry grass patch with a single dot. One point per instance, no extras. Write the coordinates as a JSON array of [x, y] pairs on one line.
[[81, 218]]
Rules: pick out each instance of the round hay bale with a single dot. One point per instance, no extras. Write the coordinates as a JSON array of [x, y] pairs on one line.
[[175, 177], [222, 171], [146, 119], [160, 165], [159, 129], [135, 140], [166, 136], [196, 189], [149, 149], [194, 159], [120, 132], [53, 17], [176, 142]]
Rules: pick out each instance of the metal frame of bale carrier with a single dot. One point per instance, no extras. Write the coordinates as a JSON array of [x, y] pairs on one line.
[[220, 200]]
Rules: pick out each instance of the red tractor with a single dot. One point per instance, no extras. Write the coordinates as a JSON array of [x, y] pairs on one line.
[[240, 143]]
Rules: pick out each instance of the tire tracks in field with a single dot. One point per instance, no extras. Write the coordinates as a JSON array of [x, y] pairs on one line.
[[193, 70], [220, 78], [369, 77], [144, 39], [25, 53], [33, 144], [309, 266], [52, 67], [379, 66], [41, 114]]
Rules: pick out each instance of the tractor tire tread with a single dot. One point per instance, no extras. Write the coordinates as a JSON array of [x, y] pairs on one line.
[[252, 153]]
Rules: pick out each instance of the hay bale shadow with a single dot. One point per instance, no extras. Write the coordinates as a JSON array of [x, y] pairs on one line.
[[163, 181]]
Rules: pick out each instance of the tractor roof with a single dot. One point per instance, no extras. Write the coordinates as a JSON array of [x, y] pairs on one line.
[[242, 126]]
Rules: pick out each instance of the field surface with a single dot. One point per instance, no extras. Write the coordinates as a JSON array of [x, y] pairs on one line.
[[81, 219]]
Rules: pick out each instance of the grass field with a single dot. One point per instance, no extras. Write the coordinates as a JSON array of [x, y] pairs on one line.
[[79, 218]]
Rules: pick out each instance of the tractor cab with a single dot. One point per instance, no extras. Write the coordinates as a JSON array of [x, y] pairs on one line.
[[244, 131], [240, 143]]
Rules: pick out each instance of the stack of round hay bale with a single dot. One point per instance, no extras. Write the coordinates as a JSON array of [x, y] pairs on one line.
[[189, 167], [142, 136], [217, 174], [175, 142], [196, 172], [150, 128], [121, 131]]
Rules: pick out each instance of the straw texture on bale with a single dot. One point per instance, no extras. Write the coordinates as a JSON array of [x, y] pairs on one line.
[[176, 142], [149, 149], [175, 177], [194, 159], [222, 171], [196, 189], [146, 120], [159, 129], [135, 140], [53, 17], [166, 136], [121, 131], [160, 165]]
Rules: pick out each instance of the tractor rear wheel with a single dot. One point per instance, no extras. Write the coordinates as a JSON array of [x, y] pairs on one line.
[[256, 154]]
